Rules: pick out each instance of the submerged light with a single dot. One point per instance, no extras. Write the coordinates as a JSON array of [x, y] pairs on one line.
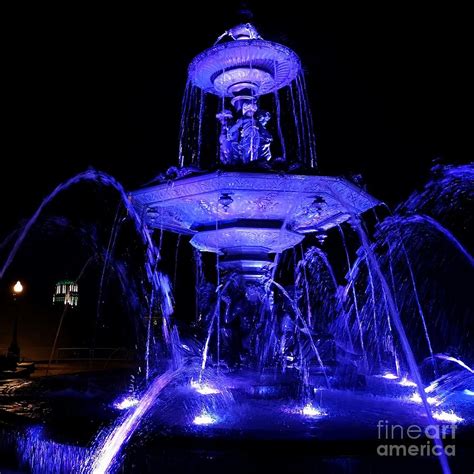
[[406, 382], [126, 403], [431, 400], [204, 389], [431, 387], [389, 376], [312, 411], [205, 418], [447, 416]]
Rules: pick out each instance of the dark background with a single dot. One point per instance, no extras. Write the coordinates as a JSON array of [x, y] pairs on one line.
[[101, 87]]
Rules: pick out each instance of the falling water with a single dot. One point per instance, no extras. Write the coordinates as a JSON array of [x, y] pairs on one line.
[[220, 290], [158, 281], [301, 271], [414, 286], [403, 339], [351, 284], [306, 116], [427, 220], [183, 125], [108, 255], [104, 456], [278, 119], [307, 330], [297, 121], [40, 456]]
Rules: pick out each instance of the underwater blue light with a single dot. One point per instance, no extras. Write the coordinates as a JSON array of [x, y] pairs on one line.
[[312, 411], [406, 382], [205, 418], [204, 389], [447, 416], [415, 397], [126, 403], [389, 376]]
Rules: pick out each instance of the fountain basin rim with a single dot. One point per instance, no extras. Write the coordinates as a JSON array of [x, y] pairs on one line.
[[231, 241], [281, 177], [299, 203], [272, 59]]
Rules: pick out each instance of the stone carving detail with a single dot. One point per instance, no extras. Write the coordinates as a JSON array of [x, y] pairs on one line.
[[304, 203], [234, 240], [244, 139]]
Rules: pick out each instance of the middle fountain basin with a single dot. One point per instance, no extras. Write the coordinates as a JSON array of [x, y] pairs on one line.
[[246, 216]]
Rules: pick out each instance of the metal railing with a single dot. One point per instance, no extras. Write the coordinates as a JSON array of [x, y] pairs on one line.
[[96, 353]]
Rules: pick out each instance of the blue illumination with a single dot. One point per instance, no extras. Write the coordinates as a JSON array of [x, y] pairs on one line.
[[126, 403], [389, 376], [416, 398], [204, 388], [275, 319], [406, 382], [205, 418], [42, 456], [312, 411], [447, 417]]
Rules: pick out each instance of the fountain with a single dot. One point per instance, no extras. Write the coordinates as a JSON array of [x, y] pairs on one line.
[[248, 217], [285, 346]]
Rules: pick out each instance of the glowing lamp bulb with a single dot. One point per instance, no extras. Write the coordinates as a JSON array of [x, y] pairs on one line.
[[18, 287]]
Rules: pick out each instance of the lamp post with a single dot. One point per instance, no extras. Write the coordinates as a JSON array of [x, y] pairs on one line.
[[14, 349]]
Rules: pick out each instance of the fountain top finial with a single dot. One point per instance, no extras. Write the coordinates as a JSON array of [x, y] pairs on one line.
[[244, 31], [245, 59]]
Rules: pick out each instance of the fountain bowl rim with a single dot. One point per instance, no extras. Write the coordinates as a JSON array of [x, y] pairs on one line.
[[278, 53]]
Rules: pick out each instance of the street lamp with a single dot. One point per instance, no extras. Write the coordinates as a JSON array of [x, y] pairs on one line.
[[14, 349], [17, 288]]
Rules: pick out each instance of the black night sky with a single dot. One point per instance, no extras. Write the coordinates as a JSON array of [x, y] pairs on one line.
[[102, 87]]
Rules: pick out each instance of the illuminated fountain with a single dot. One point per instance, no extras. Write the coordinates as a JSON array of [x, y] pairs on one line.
[[282, 345], [244, 216]]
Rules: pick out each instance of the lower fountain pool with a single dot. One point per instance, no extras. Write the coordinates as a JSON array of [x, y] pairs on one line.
[[233, 421]]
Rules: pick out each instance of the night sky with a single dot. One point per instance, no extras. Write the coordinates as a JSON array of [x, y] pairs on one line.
[[102, 87]]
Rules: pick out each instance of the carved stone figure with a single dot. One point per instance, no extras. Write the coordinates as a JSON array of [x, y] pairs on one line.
[[247, 139]]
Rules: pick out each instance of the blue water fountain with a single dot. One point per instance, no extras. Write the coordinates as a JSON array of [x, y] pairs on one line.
[[248, 216], [300, 357]]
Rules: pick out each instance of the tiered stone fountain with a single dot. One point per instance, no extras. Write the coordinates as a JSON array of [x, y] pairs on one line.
[[248, 217]]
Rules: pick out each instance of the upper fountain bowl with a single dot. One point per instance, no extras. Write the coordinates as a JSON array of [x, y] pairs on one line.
[[256, 64]]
